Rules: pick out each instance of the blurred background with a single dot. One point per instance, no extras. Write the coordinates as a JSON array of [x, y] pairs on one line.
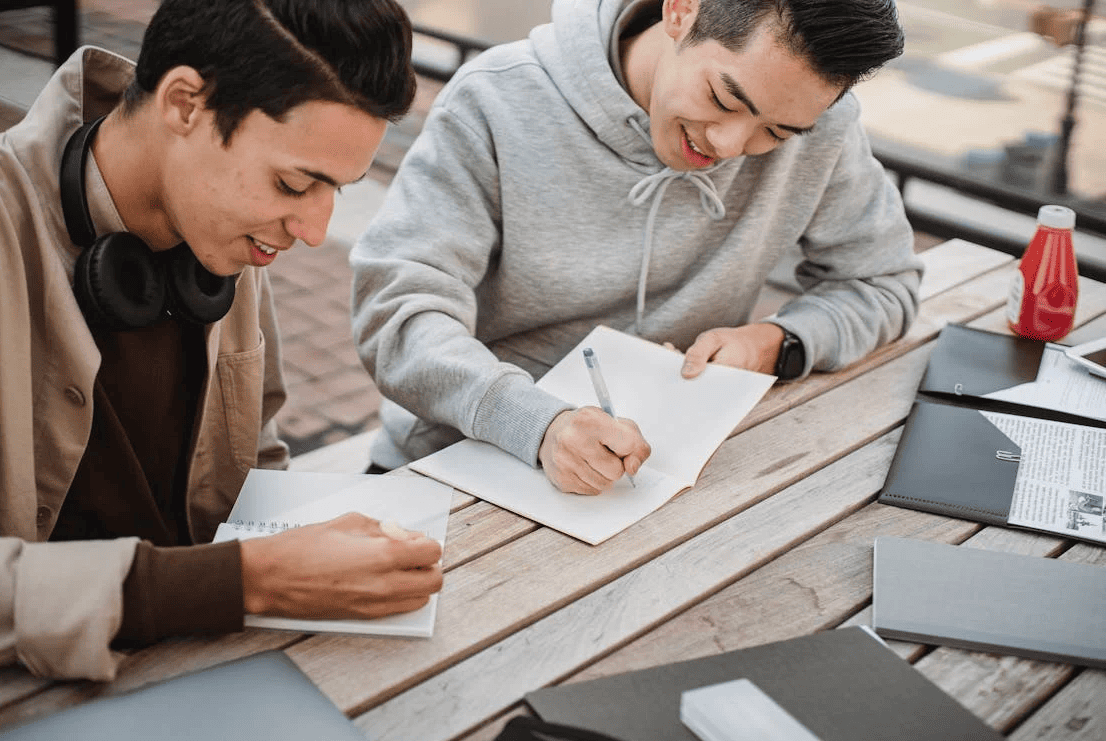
[[970, 121]]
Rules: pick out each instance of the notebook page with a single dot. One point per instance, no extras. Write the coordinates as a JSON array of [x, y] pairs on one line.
[[485, 471], [684, 420]]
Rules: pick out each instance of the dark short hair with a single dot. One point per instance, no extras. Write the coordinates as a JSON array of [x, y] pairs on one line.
[[274, 55], [844, 41]]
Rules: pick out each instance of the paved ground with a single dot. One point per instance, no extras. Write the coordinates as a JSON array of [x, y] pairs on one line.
[[962, 83]]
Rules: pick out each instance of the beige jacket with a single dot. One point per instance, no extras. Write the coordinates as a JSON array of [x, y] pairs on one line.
[[61, 603]]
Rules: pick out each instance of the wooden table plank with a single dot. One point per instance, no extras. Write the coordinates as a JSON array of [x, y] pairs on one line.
[[533, 605], [1076, 713], [951, 263], [491, 597], [470, 692]]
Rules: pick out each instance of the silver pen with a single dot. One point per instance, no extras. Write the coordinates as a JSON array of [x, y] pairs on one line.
[[600, 386]]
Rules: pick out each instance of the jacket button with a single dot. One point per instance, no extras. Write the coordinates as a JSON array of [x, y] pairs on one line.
[[75, 395], [44, 514]]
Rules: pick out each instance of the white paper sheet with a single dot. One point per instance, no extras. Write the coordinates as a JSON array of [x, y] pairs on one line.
[[1061, 384], [683, 420]]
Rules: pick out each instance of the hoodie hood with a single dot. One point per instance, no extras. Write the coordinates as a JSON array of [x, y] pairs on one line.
[[575, 51]]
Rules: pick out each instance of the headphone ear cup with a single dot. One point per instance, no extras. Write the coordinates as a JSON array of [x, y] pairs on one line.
[[119, 283], [195, 293]]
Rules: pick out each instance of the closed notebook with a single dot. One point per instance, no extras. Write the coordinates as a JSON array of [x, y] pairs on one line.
[[261, 698], [841, 685], [1039, 608]]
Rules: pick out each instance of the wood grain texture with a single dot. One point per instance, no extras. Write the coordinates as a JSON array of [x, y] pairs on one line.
[[1076, 713], [474, 690], [528, 578]]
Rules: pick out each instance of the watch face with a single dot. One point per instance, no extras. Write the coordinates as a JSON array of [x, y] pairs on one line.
[[792, 358]]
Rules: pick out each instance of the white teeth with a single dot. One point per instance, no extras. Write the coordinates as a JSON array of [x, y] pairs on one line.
[[694, 148], [264, 247]]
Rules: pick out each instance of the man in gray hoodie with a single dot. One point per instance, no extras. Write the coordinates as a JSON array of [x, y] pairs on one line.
[[641, 164]]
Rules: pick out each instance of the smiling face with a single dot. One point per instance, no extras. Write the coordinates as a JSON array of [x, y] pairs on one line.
[[274, 183], [708, 103]]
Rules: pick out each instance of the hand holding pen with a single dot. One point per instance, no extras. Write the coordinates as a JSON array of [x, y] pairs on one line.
[[601, 392], [586, 450]]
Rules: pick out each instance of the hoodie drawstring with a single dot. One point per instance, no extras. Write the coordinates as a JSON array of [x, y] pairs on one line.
[[653, 187]]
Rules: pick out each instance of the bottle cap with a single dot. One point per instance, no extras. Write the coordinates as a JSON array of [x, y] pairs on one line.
[[1056, 217]]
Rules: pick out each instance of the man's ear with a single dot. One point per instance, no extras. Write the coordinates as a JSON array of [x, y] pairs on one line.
[[180, 99], [678, 17]]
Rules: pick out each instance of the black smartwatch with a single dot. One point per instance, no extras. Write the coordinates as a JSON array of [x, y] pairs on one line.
[[792, 358]]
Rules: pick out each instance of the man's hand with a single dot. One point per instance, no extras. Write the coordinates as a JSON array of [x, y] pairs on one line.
[[345, 568], [753, 347], [584, 451]]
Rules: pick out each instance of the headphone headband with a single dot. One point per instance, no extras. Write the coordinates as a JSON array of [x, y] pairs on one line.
[[78, 219]]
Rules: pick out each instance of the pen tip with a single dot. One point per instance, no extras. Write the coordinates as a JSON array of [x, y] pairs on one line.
[[587, 352]]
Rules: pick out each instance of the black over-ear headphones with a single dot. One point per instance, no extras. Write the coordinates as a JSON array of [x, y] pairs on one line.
[[120, 283]]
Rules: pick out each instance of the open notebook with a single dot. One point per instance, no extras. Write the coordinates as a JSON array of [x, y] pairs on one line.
[[683, 420], [273, 501]]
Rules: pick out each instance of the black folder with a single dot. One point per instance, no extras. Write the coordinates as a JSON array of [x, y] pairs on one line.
[[951, 460], [967, 364], [843, 685]]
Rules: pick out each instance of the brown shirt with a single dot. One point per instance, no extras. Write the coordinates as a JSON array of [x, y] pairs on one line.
[[132, 480]]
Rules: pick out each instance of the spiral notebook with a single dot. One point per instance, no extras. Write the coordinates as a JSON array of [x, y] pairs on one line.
[[274, 501]]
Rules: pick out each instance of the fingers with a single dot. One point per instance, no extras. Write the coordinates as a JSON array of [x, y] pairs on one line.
[[701, 353], [585, 450], [625, 441], [415, 553], [407, 549], [403, 587]]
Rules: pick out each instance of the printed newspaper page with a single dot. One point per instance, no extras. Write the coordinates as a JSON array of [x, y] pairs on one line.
[[1062, 384], [1061, 483]]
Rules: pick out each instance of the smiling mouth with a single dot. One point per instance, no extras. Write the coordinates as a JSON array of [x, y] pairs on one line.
[[263, 247], [702, 158], [696, 149]]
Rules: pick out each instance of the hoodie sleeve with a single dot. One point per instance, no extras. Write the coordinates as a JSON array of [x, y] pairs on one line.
[[415, 274], [859, 273]]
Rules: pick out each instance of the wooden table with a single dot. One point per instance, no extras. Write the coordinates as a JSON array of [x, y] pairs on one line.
[[775, 541]]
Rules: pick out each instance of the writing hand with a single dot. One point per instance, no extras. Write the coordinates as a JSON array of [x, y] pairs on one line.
[[753, 347], [345, 568], [585, 450]]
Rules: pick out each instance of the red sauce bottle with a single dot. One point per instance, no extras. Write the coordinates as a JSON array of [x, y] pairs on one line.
[[1042, 298]]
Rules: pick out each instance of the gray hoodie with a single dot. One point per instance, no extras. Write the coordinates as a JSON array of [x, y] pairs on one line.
[[532, 208]]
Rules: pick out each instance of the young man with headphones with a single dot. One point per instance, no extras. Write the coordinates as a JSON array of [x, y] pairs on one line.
[[139, 207]]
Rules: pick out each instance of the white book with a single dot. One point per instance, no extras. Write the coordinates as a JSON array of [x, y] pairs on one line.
[[684, 420], [274, 501]]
